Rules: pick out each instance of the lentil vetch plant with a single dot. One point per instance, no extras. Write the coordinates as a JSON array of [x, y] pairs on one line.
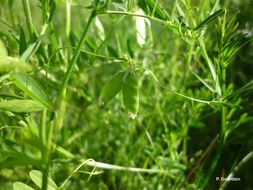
[[114, 94]]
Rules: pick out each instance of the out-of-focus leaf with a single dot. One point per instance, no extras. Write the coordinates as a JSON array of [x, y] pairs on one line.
[[210, 18], [12, 64], [32, 88], [21, 186], [151, 7], [36, 177], [22, 41], [21, 106]]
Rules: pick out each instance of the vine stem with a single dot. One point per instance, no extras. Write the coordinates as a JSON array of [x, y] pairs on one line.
[[62, 92], [76, 55]]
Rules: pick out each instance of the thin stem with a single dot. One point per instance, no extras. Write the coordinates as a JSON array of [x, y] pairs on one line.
[[68, 17], [223, 109], [44, 150], [76, 54], [44, 10], [28, 16], [171, 24], [208, 60], [63, 87]]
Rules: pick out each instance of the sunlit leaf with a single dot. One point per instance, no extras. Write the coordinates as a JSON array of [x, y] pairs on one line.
[[36, 176], [21, 186]]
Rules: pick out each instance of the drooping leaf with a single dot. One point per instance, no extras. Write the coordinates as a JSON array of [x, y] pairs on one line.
[[36, 176], [21, 106], [21, 186], [32, 88]]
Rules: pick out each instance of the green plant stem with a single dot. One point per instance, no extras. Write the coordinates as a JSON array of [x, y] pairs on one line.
[[222, 130], [207, 59], [167, 23], [206, 178], [223, 109], [54, 41], [62, 91], [76, 55], [68, 17], [44, 10], [44, 150], [28, 16]]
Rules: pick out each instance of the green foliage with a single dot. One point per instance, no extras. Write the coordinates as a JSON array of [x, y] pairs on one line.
[[181, 69], [21, 106]]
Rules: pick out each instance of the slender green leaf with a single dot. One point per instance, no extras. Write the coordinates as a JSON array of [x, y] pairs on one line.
[[210, 18], [32, 88], [30, 51], [21, 106], [22, 41]]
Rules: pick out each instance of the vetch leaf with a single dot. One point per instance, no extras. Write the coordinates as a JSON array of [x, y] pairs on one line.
[[111, 88], [210, 19], [36, 177], [21, 186], [22, 41], [32, 88], [12, 64], [130, 92], [21, 106], [243, 91], [30, 51]]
